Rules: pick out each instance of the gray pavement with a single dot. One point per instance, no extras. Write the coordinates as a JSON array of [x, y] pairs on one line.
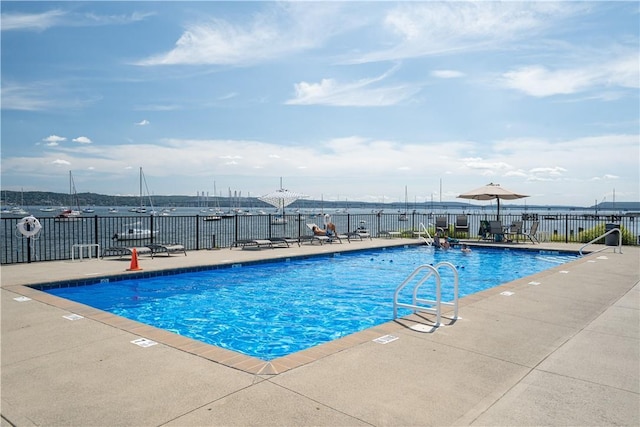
[[563, 352]]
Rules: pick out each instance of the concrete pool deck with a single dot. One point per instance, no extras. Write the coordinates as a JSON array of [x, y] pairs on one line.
[[563, 350]]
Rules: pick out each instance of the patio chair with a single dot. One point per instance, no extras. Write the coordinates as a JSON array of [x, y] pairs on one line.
[[442, 224], [496, 230], [531, 234], [514, 231], [462, 224], [483, 232]]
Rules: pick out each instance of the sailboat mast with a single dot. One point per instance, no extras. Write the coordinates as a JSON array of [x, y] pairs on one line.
[[140, 187]]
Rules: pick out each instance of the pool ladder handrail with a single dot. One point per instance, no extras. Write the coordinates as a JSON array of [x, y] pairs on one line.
[[429, 270], [423, 230], [613, 230]]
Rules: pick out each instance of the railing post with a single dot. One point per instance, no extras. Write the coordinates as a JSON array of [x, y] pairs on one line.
[[198, 232], [566, 228], [96, 240]]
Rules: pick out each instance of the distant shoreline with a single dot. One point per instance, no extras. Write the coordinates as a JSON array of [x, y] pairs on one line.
[[42, 198]]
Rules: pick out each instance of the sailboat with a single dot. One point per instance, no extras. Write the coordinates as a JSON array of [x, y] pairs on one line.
[[404, 216], [70, 214], [217, 212], [138, 233]]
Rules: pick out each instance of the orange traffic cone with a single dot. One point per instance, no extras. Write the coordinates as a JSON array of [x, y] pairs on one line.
[[134, 261]]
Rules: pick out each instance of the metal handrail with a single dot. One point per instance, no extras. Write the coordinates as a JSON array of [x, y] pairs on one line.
[[453, 303], [423, 230], [427, 305], [613, 230]]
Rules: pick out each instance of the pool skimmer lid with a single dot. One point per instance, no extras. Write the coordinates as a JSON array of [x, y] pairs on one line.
[[386, 339], [143, 342]]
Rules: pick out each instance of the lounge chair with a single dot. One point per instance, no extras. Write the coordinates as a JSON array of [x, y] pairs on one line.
[[121, 251], [284, 241], [329, 239], [389, 234], [167, 248], [361, 233], [252, 243], [313, 238], [462, 224]]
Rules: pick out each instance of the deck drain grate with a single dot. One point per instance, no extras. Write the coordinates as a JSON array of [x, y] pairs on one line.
[[22, 299], [506, 293], [386, 339], [73, 317], [143, 342], [534, 283]]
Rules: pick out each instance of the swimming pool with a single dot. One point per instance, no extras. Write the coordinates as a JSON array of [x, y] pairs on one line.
[[270, 310]]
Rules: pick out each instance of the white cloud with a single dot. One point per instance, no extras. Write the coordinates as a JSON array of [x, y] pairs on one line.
[[361, 93], [144, 122], [24, 97], [82, 140], [54, 138], [27, 21], [60, 162], [539, 81], [42, 21], [435, 28], [280, 29], [447, 74], [123, 19]]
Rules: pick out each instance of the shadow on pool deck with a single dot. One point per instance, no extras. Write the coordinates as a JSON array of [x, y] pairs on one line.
[[564, 351]]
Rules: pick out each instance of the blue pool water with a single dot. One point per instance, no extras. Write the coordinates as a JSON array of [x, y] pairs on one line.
[[270, 310]]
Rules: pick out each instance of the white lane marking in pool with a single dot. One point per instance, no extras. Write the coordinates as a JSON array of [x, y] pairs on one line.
[[22, 299], [602, 257], [73, 317], [385, 339], [563, 272], [506, 293], [534, 283], [143, 342]]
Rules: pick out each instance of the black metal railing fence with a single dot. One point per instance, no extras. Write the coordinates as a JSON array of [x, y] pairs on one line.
[[57, 238]]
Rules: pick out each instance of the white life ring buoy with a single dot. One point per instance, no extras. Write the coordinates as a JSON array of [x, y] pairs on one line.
[[29, 226], [327, 219]]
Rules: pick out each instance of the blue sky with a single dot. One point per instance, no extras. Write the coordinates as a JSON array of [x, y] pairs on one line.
[[343, 100]]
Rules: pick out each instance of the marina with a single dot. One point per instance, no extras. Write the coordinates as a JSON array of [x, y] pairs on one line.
[[196, 230]]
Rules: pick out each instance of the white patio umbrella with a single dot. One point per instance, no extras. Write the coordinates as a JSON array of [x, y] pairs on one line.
[[282, 198], [492, 191]]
